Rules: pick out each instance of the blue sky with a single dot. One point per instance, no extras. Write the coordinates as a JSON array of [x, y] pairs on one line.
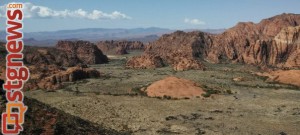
[[172, 14]]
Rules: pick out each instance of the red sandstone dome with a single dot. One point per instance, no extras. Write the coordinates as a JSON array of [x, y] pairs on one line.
[[175, 88]]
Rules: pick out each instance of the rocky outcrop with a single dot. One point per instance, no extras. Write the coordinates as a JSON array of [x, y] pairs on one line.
[[178, 49], [119, 47], [70, 75], [267, 43], [120, 51], [36, 56], [52, 77], [179, 44], [66, 53], [273, 42], [174, 87], [145, 62], [288, 46], [281, 51], [86, 52], [290, 77], [187, 64]]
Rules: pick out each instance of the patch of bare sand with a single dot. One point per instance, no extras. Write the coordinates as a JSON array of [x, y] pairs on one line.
[[291, 77], [175, 88]]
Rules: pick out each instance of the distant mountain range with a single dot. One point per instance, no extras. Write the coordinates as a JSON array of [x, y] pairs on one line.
[[50, 38]]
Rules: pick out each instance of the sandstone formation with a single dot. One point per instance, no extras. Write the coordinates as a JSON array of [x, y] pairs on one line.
[[145, 62], [179, 49], [120, 51], [174, 87], [290, 77], [273, 42], [119, 47], [52, 77], [86, 52], [265, 43], [66, 53], [187, 64], [46, 64], [288, 40]]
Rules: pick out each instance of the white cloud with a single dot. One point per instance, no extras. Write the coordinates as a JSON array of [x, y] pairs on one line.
[[34, 11], [194, 21]]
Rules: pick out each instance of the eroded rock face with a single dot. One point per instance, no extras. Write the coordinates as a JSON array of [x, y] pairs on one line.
[[280, 51], [288, 40], [66, 53], [52, 77], [119, 47], [174, 87], [272, 42]]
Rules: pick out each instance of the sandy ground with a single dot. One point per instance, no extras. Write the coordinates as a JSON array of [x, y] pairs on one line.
[[269, 112], [283, 76], [255, 107]]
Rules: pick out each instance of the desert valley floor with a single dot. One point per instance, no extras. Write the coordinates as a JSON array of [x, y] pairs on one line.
[[250, 106]]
